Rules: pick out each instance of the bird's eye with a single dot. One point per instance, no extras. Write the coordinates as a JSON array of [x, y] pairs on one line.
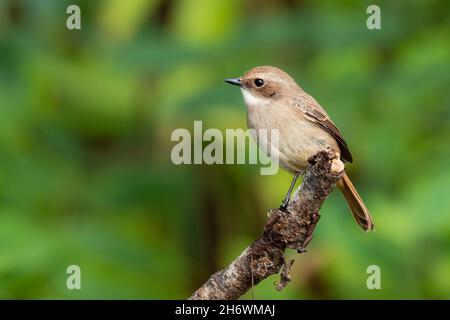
[[258, 82]]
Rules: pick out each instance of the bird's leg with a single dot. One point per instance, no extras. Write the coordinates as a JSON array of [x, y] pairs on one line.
[[287, 197]]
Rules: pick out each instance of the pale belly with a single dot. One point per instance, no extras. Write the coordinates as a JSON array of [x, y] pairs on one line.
[[298, 140]]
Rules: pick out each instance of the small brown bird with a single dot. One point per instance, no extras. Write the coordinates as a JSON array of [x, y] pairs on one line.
[[275, 101]]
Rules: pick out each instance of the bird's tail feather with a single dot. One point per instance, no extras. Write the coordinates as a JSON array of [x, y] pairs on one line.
[[357, 206]]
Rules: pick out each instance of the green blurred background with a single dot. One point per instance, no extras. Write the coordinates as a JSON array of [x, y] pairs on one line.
[[86, 118]]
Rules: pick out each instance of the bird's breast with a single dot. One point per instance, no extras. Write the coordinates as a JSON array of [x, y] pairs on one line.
[[298, 138]]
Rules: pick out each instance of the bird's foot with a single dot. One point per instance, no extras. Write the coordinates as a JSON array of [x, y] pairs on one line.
[[284, 205]]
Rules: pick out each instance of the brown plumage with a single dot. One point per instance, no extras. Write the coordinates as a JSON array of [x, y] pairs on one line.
[[275, 101]]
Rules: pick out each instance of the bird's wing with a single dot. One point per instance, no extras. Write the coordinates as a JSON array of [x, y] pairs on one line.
[[314, 112]]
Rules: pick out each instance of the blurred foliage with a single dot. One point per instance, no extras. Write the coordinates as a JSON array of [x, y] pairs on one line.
[[85, 124]]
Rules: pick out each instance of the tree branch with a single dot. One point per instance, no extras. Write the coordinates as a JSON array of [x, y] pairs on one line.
[[291, 229]]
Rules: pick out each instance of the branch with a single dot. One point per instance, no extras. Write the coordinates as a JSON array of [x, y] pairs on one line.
[[291, 229]]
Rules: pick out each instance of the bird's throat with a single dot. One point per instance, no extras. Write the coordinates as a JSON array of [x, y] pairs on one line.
[[251, 100]]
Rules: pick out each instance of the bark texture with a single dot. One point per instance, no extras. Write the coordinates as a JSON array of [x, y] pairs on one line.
[[291, 229]]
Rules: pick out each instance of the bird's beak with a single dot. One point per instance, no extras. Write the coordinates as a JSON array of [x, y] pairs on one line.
[[234, 81]]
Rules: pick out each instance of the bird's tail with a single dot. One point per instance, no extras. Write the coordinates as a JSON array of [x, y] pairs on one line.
[[357, 206]]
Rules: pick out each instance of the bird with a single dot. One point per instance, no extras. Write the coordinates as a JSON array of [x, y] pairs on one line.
[[275, 101]]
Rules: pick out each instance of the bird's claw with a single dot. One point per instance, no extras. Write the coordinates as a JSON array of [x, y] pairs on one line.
[[284, 205]]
